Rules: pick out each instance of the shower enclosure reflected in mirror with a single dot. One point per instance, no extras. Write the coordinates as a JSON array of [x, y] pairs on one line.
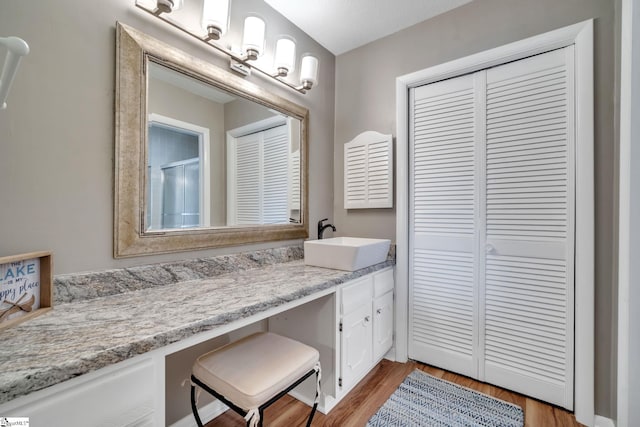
[[203, 157]]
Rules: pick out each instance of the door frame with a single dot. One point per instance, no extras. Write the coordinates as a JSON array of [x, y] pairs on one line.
[[204, 153], [581, 36]]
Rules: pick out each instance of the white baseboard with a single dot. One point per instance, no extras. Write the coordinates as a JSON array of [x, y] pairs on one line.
[[309, 402], [207, 413], [603, 422]]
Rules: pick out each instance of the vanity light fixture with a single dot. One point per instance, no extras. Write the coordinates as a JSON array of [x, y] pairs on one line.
[[215, 22]]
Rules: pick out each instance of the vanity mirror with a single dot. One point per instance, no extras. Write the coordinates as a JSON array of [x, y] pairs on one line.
[[203, 158]]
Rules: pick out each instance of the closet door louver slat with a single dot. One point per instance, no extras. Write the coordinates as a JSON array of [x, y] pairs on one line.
[[443, 220]]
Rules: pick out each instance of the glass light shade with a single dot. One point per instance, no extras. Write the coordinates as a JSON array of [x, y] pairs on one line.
[[215, 13], [253, 36], [148, 4], [309, 69], [285, 54]]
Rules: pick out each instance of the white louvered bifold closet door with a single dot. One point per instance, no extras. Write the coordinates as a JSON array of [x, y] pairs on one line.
[[247, 179], [492, 225], [260, 170], [275, 193], [530, 227], [443, 207]]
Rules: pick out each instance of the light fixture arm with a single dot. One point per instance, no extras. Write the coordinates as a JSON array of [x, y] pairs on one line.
[[306, 85], [238, 58], [280, 72]]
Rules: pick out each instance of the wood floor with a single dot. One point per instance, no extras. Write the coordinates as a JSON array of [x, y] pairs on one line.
[[356, 409]]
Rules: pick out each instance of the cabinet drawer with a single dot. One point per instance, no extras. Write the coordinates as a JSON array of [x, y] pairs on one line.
[[357, 294], [383, 282]]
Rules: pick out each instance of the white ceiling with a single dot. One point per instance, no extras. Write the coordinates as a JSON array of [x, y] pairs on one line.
[[342, 25]]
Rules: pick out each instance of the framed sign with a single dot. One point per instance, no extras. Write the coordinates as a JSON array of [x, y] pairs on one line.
[[26, 287]]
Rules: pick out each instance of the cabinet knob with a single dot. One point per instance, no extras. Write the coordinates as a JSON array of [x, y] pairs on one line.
[[367, 319], [379, 311]]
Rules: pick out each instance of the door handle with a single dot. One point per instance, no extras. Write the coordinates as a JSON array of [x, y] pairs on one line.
[[490, 249]]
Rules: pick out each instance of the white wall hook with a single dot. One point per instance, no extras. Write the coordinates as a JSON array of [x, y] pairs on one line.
[[17, 48]]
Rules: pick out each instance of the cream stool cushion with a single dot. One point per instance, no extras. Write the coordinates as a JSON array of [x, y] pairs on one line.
[[254, 369]]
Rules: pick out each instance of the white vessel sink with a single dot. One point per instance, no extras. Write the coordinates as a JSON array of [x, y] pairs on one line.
[[346, 253]]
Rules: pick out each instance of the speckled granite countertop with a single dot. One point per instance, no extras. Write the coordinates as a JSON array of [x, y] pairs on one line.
[[100, 319]]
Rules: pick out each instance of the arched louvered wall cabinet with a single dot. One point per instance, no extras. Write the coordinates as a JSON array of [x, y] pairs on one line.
[[368, 171]]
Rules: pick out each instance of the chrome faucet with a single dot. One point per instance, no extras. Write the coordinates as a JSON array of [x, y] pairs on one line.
[[322, 227]]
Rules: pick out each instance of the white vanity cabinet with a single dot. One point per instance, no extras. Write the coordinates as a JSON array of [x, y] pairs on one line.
[[365, 325], [118, 395], [351, 328]]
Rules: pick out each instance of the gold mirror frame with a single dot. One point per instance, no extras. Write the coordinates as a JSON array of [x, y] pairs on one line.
[[134, 49]]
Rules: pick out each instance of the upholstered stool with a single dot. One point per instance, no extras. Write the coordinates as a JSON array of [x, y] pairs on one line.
[[250, 374]]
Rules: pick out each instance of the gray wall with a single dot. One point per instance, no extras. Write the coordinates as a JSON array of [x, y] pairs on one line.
[[365, 94], [57, 134], [242, 112]]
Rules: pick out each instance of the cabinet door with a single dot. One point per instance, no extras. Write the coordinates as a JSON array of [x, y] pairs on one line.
[[118, 395], [528, 268], [443, 225], [382, 325], [383, 282], [357, 344]]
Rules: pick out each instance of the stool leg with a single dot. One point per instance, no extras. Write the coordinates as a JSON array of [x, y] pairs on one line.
[[260, 414], [315, 405], [194, 408], [313, 412]]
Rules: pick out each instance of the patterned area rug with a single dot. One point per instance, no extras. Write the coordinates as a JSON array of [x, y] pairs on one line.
[[423, 400]]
